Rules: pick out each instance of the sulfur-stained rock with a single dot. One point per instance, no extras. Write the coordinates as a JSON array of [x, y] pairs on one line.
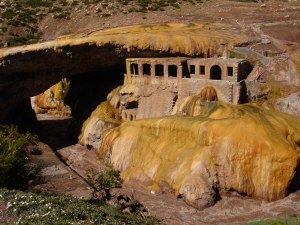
[[52, 100], [103, 118], [214, 148]]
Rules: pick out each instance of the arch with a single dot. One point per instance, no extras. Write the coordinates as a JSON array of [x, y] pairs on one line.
[[208, 94], [215, 72]]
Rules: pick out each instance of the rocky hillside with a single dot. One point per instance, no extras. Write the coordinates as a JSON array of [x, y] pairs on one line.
[[22, 21]]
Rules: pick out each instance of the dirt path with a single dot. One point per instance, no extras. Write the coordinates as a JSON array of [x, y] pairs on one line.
[[58, 177]]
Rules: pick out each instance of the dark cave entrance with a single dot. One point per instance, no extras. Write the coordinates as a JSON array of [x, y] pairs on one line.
[[86, 91], [215, 72]]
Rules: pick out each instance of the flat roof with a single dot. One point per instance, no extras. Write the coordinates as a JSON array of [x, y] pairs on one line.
[[164, 59], [218, 59], [183, 59]]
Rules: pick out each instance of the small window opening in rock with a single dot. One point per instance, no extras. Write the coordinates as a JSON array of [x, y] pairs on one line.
[[131, 117], [159, 70], [134, 68], [192, 69], [202, 70], [230, 71], [147, 69], [172, 71]]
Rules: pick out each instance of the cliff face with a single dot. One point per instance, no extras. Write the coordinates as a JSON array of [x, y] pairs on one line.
[[214, 148]]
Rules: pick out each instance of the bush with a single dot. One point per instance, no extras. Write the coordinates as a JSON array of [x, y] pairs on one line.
[[15, 172], [109, 179]]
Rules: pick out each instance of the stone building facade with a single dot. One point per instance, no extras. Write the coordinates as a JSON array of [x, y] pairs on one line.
[[162, 83]]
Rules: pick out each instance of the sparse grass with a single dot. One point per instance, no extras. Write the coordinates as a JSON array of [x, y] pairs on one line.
[[235, 54], [245, 0], [282, 221], [47, 209], [26, 14]]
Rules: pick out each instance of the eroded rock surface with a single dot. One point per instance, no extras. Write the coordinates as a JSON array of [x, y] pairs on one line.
[[289, 104], [215, 148]]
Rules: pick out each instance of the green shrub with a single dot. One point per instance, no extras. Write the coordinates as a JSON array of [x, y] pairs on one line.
[[38, 3], [109, 179], [8, 14], [15, 172]]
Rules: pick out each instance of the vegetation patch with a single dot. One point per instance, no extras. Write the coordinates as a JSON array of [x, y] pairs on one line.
[[281, 221], [15, 170], [47, 209], [22, 17]]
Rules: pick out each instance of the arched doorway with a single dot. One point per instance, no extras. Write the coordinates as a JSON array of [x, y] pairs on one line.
[[215, 72]]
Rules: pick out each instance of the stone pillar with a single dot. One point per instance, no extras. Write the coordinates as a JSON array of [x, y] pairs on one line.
[[197, 69], [166, 74], [140, 69], [128, 72], [179, 73], [224, 71], [207, 70], [152, 69]]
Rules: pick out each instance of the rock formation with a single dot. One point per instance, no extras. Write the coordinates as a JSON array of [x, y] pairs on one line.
[[289, 104], [214, 148], [52, 100], [26, 71], [104, 117]]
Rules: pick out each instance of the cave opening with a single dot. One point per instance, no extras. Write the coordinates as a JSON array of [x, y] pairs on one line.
[[61, 114]]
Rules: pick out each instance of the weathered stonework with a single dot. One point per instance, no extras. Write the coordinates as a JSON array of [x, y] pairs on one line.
[[162, 84]]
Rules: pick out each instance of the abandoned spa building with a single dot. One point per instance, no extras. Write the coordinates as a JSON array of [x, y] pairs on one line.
[[157, 84]]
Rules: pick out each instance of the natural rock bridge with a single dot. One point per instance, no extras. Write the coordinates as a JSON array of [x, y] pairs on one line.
[[28, 70]]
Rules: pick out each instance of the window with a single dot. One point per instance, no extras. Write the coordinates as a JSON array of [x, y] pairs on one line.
[[202, 70], [230, 71], [192, 69], [172, 71], [134, 68], [159, 70], [147, 69], [215, 72]]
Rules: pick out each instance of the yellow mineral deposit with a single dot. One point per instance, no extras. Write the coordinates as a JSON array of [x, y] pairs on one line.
[[189, 39], [106, 115], [212, 146], [53, 99]]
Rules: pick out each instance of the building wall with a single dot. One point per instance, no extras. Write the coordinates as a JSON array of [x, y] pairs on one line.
[[158, 94], [225, 89], [155, 101]]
